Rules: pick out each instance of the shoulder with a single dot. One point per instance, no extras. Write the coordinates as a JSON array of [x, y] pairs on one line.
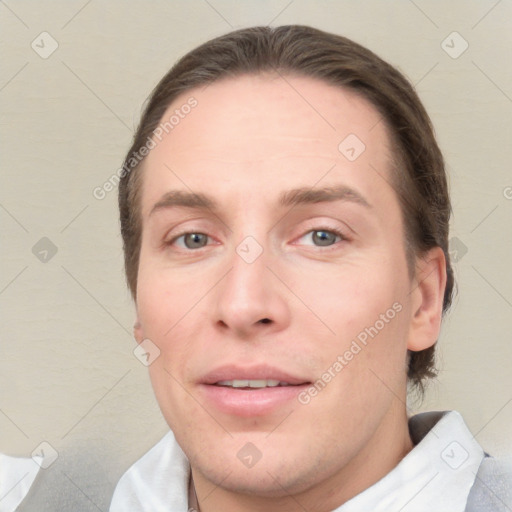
[[492, 489], [487, 480]]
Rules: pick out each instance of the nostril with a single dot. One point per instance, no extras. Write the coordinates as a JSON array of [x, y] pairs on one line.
[[265, 321]]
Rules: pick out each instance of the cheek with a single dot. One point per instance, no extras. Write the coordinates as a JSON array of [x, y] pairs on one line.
[[361, 312], [350, 297], [160, 300], [169, 310]]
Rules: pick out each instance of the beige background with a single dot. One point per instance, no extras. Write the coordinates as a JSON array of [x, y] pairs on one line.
[[67, 372]]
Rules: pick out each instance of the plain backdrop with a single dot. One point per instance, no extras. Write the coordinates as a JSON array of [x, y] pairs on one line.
[[68, 375]]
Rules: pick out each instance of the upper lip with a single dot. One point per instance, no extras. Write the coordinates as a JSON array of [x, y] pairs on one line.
[[254, 372]]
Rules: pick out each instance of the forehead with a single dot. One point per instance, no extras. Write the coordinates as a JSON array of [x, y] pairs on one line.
[[263, 106], [268, 128]]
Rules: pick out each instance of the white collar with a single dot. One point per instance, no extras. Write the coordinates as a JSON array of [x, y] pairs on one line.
[[436, 475], [17, 474]]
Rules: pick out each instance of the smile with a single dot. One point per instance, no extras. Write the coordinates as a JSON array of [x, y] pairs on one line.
[[252, 384]]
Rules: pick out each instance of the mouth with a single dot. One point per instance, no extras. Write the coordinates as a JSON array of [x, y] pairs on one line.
[[251, 391], [252, 383]]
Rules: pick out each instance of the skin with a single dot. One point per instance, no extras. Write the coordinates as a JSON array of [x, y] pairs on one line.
[[248, 140]]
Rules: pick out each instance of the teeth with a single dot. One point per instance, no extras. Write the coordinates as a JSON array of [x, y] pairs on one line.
[[261, 383]]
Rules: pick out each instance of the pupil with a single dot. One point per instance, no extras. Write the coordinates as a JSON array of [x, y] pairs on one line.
[[325, 237], [194, 238]]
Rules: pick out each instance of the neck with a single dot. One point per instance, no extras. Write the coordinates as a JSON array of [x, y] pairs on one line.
[[390, 443]]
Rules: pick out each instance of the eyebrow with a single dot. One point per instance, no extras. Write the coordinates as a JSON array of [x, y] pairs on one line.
[[289, 198]]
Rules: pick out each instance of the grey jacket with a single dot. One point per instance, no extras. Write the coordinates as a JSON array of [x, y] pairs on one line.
[[492, 490]]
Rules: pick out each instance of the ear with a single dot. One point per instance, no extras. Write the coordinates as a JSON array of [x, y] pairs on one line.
[[138, 333], [427, 300]]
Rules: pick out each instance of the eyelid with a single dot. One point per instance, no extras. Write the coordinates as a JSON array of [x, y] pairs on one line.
[[192, 225]]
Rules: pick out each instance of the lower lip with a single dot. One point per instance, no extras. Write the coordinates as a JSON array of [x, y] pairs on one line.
[[250, 402]]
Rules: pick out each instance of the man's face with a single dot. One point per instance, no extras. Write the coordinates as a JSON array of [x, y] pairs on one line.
[[336, 308]]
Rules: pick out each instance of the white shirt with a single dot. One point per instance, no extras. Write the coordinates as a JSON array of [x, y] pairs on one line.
[[436, 475], [17, 475]]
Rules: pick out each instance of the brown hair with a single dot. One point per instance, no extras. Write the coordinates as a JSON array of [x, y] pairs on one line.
[[420, 184]]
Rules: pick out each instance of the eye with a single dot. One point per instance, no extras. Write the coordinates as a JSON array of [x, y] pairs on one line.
[[320, 237], [190, 240], [324, 237]]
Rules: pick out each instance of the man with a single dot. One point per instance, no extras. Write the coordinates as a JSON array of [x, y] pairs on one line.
[[284, 211]]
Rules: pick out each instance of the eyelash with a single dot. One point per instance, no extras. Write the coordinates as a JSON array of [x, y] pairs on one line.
[[335, 232]]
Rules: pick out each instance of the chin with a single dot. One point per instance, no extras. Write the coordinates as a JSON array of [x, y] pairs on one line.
[[274, 475], [265, 481]]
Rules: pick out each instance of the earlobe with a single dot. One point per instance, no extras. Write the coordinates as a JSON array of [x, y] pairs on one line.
[[427, 301]]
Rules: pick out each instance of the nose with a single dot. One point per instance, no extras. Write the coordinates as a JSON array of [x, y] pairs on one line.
[[250, 300]]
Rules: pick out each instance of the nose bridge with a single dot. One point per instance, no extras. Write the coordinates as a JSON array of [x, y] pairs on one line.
[[247, 280], [251, 251], [248, 293]]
